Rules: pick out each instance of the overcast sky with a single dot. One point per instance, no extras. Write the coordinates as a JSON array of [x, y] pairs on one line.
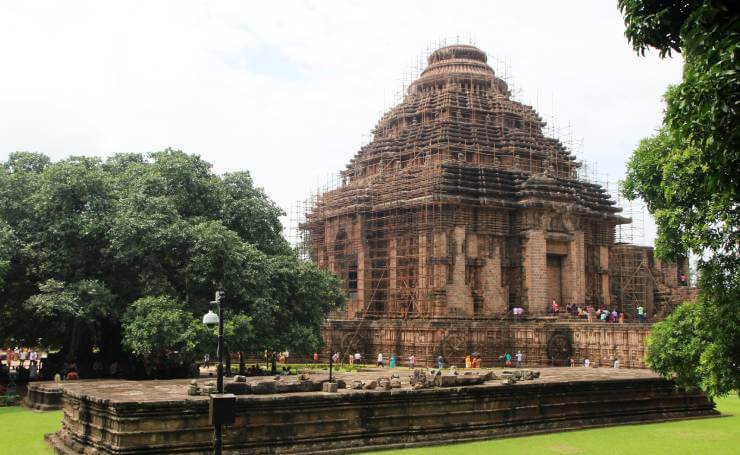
[[290, 90]]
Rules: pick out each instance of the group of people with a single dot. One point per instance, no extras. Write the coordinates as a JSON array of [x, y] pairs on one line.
[[507, 360], [472, 360], [25, 361], [588, 364], [601, 314]]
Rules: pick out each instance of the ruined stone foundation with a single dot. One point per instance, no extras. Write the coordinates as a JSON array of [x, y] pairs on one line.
[[149, 417]]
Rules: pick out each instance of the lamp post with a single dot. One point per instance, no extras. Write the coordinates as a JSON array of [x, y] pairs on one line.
[[221, 409]]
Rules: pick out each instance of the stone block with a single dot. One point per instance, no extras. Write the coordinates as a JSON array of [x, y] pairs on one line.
[[329, 387], [238, 388]]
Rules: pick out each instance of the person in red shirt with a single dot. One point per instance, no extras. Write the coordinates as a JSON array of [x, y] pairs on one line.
[[315, 358]]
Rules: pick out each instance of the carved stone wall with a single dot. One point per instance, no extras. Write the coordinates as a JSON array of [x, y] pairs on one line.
[[96, 421], [599, 342]]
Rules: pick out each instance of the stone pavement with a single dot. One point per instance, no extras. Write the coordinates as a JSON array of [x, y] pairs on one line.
[[121, 391]]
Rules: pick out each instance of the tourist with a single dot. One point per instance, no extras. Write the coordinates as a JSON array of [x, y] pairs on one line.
[[358, 358], [641, 313], [468, 363], [603, 315], [315, 358], [72, 372], [616, 363], [412, 361], [554, 307], [9, 357], [587, 363], [22, 356], [590, 313], [380, 360], [113, 370], [518, 312], [572, 362], [507, 359], [392, 363], [621, 317], [614, 316], [684, 281], [351, 359], [335, 357], [518, 359], [33, 371], [440, 362]]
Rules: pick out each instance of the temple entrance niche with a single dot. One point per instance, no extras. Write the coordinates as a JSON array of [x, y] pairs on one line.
[[555, 278]]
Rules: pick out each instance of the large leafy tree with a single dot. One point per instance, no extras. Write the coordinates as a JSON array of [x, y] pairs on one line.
[[688, 176], [126, 254]]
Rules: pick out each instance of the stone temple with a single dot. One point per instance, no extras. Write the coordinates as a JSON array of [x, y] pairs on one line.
[[461, 209]]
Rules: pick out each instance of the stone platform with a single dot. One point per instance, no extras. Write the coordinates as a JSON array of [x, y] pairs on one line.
[[127, 417]]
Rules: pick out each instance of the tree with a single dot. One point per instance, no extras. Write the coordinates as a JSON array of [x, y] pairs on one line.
[[153, 325], [688, 176], [7, 247], [107, 253]]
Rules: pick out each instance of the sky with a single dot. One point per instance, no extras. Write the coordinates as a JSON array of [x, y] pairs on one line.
[[290, 90]]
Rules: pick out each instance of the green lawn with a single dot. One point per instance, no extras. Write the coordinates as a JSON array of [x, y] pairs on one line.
[[22, 432], [699, 436]]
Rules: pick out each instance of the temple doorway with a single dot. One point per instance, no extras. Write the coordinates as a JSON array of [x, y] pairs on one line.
[[554, 278]]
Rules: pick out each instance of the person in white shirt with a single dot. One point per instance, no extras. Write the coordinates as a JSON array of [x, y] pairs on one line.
[[380, 359], [358, 358]]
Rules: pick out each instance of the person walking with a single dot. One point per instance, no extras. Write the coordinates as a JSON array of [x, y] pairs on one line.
[[358, 358], [440, 362], [518, 359], [380, 360], [507, 359], [393, 361], [468, 364], [412, 361], [641, 313]]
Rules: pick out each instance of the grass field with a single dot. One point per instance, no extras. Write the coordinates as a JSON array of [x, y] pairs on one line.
[[699, 436], [22, 433]]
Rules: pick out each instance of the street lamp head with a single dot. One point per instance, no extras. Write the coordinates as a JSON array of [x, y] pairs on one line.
[[210, 319]]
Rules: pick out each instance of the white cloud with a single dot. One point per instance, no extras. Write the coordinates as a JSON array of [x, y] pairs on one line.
[[288, 90]]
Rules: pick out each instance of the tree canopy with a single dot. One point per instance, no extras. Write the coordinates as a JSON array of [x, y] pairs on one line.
[[688, 176], [127, 252]]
